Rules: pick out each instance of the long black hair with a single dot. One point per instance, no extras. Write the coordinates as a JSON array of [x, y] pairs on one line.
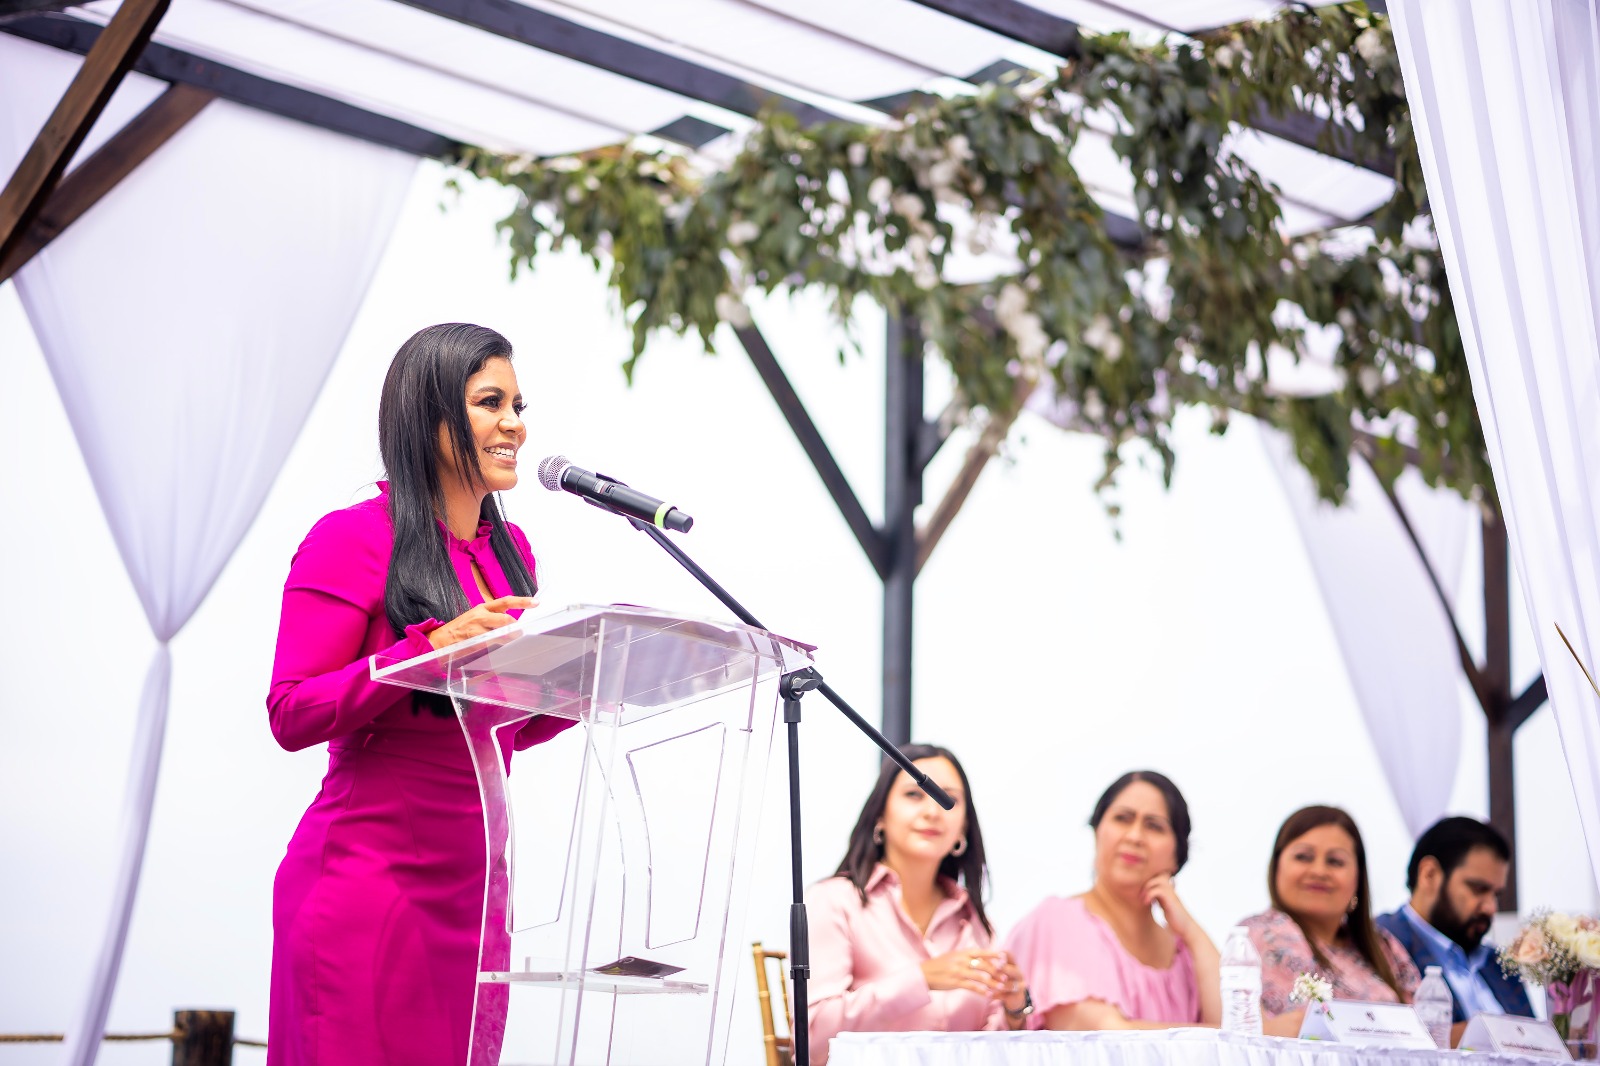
[[425, 389], [1177, 807], [865, 852]]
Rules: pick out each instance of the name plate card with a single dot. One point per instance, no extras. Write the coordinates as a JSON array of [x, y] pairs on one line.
[[1349, 1021], [1509, 1035]]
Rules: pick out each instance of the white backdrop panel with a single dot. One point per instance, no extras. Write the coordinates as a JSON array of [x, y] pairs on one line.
[[1396, 637]]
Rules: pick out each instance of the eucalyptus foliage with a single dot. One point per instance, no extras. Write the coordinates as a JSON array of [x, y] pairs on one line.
[[1127, 335]]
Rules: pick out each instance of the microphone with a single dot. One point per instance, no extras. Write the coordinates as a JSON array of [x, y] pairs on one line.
[[557, 474]]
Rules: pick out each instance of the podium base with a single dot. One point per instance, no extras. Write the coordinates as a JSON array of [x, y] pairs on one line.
[[594, 982]]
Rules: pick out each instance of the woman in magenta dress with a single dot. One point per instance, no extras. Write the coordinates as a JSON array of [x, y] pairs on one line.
[[378, 904]]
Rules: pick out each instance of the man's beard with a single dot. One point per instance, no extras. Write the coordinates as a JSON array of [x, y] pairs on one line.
[[1469, 934]]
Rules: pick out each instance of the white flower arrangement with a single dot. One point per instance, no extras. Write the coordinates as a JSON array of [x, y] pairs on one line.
[[1553, 947], [1312, 988]]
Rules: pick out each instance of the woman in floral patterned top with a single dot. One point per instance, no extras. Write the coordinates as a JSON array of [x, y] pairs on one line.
[[1321, 921]]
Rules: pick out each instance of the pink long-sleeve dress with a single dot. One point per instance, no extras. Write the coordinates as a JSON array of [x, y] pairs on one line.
[[378, 903]]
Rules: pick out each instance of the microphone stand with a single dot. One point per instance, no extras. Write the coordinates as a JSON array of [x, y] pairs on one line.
[[792, 686]]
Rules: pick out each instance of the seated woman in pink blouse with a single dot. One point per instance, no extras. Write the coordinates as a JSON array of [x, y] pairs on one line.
[[1321, 921], [899, 939], [1101, 960]]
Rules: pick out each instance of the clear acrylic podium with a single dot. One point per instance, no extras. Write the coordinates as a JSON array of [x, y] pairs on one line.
[[621, 849]]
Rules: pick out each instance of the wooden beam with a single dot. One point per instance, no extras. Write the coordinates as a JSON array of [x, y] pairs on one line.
[[558, 36], [1496, 613], [805, 431], [1061, 37], [1309, 131], [1502, 765], [110, 59], [100, 173], [1018, 21], [1475, 677], [249, 90], [1533, 697]]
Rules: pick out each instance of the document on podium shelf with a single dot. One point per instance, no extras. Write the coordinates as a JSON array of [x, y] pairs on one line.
[[1349, 1021], [1510, 1035]]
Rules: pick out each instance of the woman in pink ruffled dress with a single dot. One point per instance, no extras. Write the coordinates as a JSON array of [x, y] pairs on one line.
[[378, 903], [1100, 960]]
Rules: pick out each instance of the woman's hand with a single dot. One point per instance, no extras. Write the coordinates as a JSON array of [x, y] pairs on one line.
[[1160, 889], [1014, 996], [974, 971], [1285, 1024], [1014, 990], [480, 619]]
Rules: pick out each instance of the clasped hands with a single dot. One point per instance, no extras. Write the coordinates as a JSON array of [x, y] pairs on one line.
[[988, 973]]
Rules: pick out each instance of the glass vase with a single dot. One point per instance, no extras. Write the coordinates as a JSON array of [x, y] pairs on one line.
[[1574, 1015]]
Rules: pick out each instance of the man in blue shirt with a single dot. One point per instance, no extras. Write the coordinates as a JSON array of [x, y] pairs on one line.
[[1458, 870]]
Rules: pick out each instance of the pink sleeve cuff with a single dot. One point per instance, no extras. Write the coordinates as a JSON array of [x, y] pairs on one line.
[[417, 635]]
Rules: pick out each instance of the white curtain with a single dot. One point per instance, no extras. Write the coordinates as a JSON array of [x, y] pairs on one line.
[[189, 320], [1505, 97], [1395, 635]]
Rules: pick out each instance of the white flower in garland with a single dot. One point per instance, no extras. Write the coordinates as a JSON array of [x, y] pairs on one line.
[[908, 205], [732, 310], [742, 231], [1370, 45], [1023, 326], [879, 191], [1312, 988], [1103, 339]]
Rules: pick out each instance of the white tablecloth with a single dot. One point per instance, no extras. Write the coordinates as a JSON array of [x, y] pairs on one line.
[[1172, 1047]]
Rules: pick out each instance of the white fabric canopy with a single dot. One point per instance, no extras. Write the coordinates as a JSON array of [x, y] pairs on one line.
[[488, 90], [1398, 646], [189, 320], [1505, 98]]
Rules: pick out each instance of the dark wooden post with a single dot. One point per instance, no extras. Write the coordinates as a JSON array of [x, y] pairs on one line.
[[203, 1038], [903, 381], [1496, 673]]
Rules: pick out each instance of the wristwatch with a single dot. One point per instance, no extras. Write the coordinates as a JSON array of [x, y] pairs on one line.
[[1027, 1006]]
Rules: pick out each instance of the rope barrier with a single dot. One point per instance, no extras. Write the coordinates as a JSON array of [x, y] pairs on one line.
[[56, 1038]]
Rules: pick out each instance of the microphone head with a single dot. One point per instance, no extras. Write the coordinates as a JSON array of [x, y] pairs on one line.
[[550, 468]]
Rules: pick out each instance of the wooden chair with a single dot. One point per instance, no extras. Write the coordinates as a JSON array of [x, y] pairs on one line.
[[780, 1049]]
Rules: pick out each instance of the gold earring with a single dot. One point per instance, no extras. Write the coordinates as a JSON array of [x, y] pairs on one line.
[[1354, 900]]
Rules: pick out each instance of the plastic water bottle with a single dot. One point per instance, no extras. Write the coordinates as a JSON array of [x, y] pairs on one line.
[[1435, 1006], [1241, 984]]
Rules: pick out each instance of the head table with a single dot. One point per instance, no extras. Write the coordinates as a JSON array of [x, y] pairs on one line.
[[1169, 1047]]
